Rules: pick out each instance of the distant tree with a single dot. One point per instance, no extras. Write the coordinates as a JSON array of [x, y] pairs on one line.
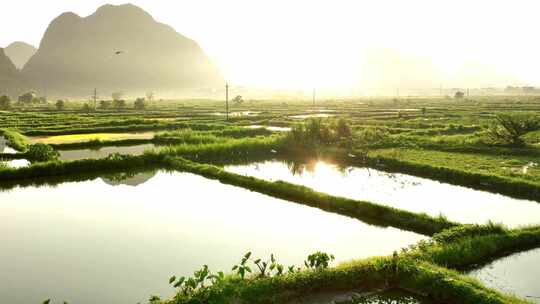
[[150, 96], [119, 104], [424, 110], [104, 104], [508, 129], [238, 100], [140, 104], [5, 102], [343, 129], [27, 98], [117, 95], [528, 89], [42, 152], [42, 100], [459, 95], [60, 104], [86, 108]]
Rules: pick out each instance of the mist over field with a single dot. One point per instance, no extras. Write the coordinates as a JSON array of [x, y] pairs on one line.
[[269, 152], [188, 51]]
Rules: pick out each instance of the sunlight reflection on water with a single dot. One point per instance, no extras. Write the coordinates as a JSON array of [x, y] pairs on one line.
[[400, 191], [118, 240]]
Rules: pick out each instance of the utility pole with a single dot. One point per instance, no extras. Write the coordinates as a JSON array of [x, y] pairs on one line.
[[314, 97], [94, 97], [227, 100]]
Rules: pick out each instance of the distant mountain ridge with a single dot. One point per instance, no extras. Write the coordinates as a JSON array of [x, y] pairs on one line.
[[118, 48], [20, 52], [10, 78]]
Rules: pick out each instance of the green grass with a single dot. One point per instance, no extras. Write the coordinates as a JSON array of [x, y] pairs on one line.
[[445, 143], [477, 249], [439, 284], [365, 211], [470, 170], [16, 140], [503, 165]]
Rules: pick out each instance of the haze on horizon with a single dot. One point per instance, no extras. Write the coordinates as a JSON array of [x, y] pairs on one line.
[[335, 44]]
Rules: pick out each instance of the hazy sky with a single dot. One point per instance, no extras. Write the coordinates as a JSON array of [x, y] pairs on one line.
[[304, 43]]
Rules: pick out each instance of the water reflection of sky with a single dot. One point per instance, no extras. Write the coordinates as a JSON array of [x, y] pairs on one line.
[[16, 163], [118, 243], [516, 274], [4, 147], [401, 191], [102, 152]]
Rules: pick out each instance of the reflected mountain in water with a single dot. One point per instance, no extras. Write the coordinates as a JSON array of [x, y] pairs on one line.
[[128, 178]]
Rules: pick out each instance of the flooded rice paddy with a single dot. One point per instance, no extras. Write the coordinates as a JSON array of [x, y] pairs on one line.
[[270, 128], [75, 138], [118, 239], [517, 274], [401, 191], [102, 152], [15, 163], [318, 115], [237, 114]]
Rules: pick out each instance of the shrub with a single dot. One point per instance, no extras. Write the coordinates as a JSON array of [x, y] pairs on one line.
[[119, 104], [86, 108], [27, 97], [315, 132], [104, 104], [42, 152], [60, 105], [140, 104], [5, 102], [508, 129]]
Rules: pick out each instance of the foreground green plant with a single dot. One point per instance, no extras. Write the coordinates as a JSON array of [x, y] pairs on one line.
[[441, 285], [318, 260], [204, 281]]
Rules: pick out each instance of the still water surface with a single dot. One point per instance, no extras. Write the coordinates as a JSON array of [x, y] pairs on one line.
[[517, 274], [113, 242], [5, 148], [401, 191], [103, 152], [16, 163]]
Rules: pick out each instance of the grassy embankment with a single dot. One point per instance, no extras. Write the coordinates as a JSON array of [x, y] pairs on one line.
[[16, 140], [452, 171], [182, 136], [365, 211], [418, 270]]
